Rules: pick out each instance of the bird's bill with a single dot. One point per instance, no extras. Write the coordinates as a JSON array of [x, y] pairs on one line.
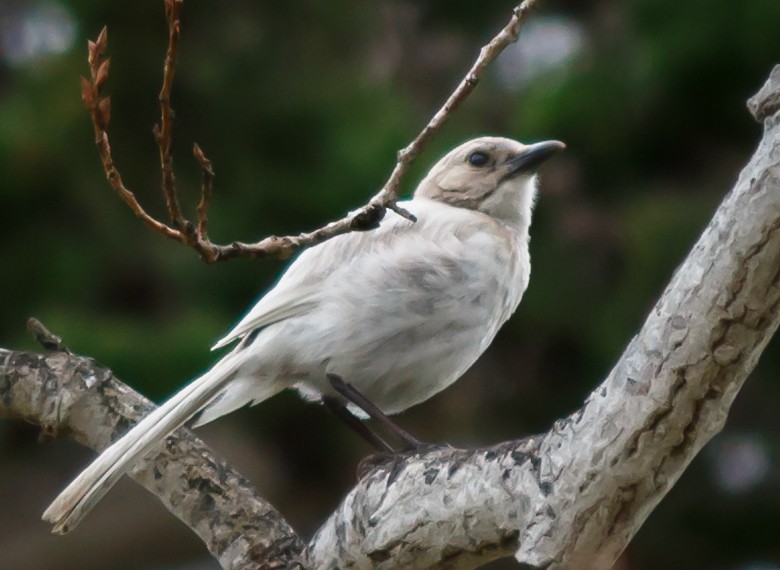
[[533, 156]]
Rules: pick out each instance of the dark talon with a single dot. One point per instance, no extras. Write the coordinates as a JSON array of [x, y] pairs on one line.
[[337, 408], [352, 394]]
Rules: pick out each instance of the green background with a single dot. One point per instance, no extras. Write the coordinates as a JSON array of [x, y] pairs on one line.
[[301, 106]]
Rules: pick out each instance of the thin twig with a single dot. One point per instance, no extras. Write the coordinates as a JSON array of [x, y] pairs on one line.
[[194, 236], [100, 113], [206, 189], [162, 132], [487, 55]]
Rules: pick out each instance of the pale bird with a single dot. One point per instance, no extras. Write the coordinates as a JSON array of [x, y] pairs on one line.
[[367, 322]]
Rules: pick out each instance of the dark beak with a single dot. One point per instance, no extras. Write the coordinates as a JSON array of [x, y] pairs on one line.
[[533, 156]]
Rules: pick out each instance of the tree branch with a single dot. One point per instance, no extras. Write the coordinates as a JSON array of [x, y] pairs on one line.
[[194, 235], [574, 497], [70, 394]]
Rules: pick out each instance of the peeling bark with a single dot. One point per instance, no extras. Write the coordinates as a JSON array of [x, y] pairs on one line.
[[571, 498]]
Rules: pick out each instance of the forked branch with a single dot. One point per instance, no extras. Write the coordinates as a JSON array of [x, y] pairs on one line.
[[99, 108], [194, 235]]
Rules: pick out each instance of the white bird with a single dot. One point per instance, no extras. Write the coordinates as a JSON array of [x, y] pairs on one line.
[[372, 321]]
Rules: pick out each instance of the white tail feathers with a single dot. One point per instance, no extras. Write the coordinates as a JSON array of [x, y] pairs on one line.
[[72, 504], [239, 393]]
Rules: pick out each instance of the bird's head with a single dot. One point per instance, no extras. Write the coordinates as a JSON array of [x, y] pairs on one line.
[[493, 175]]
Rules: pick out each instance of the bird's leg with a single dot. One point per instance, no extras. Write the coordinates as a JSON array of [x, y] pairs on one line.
[[338, 409], [352, 394]]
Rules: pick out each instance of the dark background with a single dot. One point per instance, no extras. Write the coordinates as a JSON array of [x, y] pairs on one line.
[[301, 106]]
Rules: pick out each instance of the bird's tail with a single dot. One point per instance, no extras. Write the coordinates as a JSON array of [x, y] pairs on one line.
[[96, 480]]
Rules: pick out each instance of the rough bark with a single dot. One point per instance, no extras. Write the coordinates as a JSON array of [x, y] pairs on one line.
[[72, 395], [569, 499], [574, 497]]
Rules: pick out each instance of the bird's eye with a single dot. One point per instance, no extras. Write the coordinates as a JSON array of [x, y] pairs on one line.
[[478, 159]]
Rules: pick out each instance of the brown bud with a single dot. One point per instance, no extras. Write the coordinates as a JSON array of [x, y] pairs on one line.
[[87, 93], [91, 53], [103, 113], [106, 146], [201, 157], [169, 9], [102, 41], [102, 74]]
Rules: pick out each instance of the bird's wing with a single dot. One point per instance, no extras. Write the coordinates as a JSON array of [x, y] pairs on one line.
[[299, 289], [280, 303]]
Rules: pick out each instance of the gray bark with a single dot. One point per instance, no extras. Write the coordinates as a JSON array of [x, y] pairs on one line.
[[569, 499], [574, 497], [72, 395]]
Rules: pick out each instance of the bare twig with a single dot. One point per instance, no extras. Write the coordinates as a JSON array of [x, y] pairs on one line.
[[162, 132], [100, 112], [487, 55], [194, 236], [206, 189]]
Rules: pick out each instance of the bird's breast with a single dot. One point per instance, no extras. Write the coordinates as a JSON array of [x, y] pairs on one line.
[[409, 319]]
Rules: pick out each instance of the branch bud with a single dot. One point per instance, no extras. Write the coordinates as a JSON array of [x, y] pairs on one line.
[[103, 113], [87, 93], [102, 74], [102, 41]]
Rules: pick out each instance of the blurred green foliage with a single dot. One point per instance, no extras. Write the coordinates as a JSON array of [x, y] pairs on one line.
[[301, 107]]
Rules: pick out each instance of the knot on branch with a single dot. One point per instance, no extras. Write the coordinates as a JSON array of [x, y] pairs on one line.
[[766, 103], [47, 339], [368, 218]]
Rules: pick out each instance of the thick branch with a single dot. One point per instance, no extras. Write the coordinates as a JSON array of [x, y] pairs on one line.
[[573, 498], [65, 393]]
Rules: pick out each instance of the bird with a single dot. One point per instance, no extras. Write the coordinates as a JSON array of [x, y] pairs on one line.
[[367, 323]]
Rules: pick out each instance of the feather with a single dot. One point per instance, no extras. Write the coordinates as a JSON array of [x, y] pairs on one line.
[[78, 498]]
